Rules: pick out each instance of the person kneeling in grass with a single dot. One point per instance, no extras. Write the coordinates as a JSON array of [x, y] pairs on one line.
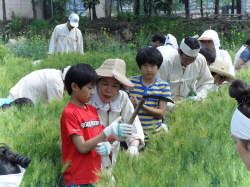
[[240, 122], [81, 129], [149, 61]]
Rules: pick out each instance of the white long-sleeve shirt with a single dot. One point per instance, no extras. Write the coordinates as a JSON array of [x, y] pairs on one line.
[[196, 77], [43, 85], [120, 107], [63, 40]]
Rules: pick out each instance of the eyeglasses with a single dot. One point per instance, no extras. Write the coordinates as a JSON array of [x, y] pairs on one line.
[[206, 41]]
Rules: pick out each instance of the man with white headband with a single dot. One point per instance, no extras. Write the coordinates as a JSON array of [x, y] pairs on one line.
[[67, 37], [186, 72], [240, 123], [40, 85]]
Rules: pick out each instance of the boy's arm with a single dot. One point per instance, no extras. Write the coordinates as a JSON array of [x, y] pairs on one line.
[[85, 146], [157, 112]]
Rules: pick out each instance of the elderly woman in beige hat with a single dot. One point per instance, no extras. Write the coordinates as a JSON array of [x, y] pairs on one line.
[[113, 103]]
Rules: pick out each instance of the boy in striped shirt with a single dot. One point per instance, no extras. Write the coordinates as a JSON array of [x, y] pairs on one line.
[[149, 61]]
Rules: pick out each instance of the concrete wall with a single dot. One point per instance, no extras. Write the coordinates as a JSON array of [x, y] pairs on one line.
[[21, 8], [245, 6]]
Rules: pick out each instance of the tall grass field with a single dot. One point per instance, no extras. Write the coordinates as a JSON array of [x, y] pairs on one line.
[[197, 152]]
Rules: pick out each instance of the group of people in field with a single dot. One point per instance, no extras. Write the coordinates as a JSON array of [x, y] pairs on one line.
[[96, 123]]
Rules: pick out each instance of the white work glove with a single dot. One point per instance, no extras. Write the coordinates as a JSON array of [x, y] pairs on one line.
[[103, 149], [193, 98], [133, 150], [118, 129]]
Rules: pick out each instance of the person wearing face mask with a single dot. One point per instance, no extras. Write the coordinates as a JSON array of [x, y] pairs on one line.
[[210, 39]]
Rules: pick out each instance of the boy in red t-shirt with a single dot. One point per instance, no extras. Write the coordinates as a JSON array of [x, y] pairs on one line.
[[81, 129]]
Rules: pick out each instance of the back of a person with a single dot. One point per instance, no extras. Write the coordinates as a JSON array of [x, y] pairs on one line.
[[168, 54], [237, 56], [38, 85]]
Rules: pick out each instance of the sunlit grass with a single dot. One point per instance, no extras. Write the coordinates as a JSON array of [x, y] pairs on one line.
[[198, 151]]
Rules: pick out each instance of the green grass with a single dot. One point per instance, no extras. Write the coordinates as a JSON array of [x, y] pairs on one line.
[[198, 151]]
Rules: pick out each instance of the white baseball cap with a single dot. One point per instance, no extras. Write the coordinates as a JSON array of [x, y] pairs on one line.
[[74, 20]]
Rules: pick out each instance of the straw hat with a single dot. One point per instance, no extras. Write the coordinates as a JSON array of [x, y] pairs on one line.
[[221, 68], [115, 68]]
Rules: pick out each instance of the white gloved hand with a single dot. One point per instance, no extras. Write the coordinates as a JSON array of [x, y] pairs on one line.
[[118, 129], [133, 150], [193, 98], [103, 149]]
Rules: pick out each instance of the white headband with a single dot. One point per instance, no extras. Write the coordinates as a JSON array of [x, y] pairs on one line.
[[187, 50], [65, 70], [240, 125]]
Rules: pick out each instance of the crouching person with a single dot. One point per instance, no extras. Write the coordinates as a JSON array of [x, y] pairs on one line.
[[11, 167]]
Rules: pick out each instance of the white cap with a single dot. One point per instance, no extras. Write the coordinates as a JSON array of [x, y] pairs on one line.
[[74, 20]]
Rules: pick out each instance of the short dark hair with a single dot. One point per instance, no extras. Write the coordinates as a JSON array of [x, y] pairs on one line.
[[149, 55], [248, 42], [81, 74], [9, 161], [19, 103], [240, 90], [159, 37], [193, 43], [208, 54]]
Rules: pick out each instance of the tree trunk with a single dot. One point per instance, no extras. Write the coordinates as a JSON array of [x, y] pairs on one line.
[[137, 7], [145, 7], [187, 8], [4, 11], [34, 9], [216, 6], [201, 9], [232, 10], [94, 12], [150, 4]]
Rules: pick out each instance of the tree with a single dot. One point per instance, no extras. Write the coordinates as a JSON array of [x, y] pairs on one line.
[[34, 9], [216, 6], [137, 7], [164, 6], [4, 11], [90, 4], [186, 2]]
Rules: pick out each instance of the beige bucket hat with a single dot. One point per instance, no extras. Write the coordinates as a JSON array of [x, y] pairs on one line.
[[115, 68], [221, 68]]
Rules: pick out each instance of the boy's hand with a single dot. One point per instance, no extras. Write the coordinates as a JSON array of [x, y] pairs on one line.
[[118, 129], [103, 149], [134, 101]]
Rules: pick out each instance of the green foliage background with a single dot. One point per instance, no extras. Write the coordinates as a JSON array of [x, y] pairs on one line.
[[198, 150]]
